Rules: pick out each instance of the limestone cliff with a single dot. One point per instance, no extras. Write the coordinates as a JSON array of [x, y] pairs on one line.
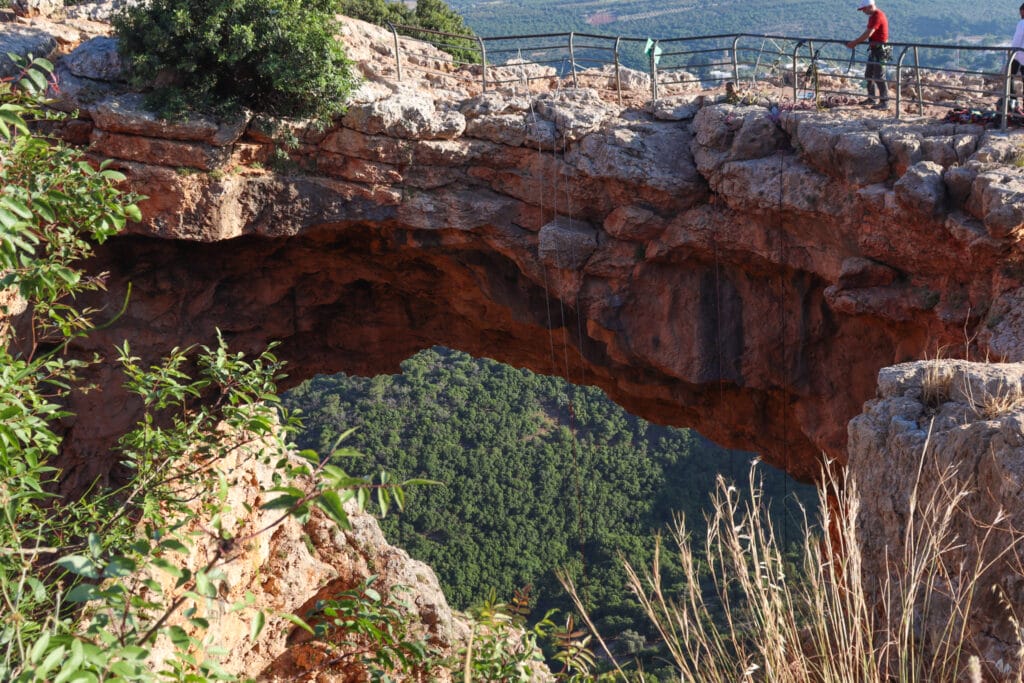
[[736, 269], [947, 435]]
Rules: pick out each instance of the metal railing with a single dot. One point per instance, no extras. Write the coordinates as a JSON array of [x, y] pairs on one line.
[[799, 68]]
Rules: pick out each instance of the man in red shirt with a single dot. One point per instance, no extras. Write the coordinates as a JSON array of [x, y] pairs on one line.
[[877, 37]]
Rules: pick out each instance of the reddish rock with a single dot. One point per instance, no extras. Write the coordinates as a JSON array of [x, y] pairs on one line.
[[154, 151], [739, 272]]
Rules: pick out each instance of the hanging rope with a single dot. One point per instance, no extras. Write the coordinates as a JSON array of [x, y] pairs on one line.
[[782, 346], [551, 342], [572, 408]]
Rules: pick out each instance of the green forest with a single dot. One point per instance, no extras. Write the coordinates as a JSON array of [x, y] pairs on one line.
[[536, 474], [931, 21]]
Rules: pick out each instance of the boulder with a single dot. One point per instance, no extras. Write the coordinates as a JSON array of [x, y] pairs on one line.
[[921, 189], [23, 41]]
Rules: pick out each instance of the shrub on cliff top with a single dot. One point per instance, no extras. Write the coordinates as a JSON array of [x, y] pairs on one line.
[[274, 56]]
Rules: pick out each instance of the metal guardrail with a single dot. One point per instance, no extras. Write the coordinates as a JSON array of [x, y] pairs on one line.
[[801, 68]]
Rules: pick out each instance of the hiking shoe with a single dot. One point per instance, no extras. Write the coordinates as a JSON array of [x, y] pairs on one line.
[[867, 101], [881, 106]]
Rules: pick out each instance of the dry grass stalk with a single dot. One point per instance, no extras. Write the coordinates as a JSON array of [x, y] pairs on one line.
[[832, 624], [937, 384]]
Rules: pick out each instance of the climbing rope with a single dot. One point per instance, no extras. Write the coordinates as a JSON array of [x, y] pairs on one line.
[[782, 345], [572, 408], [573, 430]]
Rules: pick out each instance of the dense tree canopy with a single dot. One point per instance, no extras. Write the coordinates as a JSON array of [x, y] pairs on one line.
[[537, 474]]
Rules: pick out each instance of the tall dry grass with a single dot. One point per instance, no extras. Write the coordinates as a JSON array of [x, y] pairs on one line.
[[829, 622]]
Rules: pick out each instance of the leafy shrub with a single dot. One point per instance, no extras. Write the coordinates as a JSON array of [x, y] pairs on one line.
[[273, 56], [90, 586]]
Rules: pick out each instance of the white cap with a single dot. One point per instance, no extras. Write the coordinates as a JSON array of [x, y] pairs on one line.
[[866, 3]]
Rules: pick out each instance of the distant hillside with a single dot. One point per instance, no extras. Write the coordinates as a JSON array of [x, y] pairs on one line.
[[934, 21]]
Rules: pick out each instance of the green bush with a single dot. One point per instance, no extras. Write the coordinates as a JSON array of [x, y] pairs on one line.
[[79, 592], [273, 56]]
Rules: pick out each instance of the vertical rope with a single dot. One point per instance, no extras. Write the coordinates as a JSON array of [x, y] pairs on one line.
[[718, 344], [782, 345], [573, 427], [543, 270]]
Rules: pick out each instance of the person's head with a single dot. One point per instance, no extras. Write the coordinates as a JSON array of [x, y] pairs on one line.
[[1022, 10], [866, 6]]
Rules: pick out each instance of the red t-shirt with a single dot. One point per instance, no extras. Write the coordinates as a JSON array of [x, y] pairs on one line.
[[879, 25]]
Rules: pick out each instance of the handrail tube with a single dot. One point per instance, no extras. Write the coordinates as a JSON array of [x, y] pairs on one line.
[[585, 46], [398, 53], [618, 78], [1007, 88], [735, 60], [483, 64], [654, 71], [899, 82], [831, 41], [572, 59], [736, 57], [795, 50]]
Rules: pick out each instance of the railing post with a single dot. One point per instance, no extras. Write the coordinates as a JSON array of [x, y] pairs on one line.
[[795, 50], [1007, 88], [757, 62], [899, 82], [618, 79], [735, 62], [917, 78], [654, 71], [572, 58], [398, 54], [483, 63]]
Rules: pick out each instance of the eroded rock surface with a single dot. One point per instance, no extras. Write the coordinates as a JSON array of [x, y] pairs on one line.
[[732, 268], [948, 436]]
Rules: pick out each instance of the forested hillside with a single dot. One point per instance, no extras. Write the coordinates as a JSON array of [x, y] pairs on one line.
[[934, 20], [537, 474]]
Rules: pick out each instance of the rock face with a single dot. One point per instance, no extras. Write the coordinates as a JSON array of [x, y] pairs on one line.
[[286, 569], [735, 269], [948, 434]]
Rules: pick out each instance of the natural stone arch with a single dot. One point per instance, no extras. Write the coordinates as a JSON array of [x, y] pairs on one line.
[[726, 267]]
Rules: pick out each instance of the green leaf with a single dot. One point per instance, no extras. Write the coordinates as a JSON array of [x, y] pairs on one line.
[[133, 212], [17, 206], [119, 566], [422, 482], [113, 176], [259, 620], [51, 661], [36, 653], [83, 592], [72, 663], [330, 502], [280, 503], [298, 622], [178, 636], [11, 119], [204, 586], [80, 565]]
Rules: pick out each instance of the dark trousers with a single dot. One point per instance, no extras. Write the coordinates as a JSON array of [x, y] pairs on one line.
[[874, 73], [1015, 90]]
